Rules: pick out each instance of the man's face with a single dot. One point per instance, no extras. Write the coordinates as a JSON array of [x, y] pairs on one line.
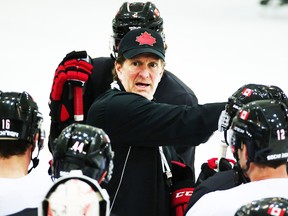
[[141, 74]]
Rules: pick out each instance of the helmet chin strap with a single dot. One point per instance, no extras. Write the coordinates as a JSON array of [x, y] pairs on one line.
[[35, 161]]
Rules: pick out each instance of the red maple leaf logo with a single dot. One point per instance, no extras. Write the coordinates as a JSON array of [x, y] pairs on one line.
[[146, 38]]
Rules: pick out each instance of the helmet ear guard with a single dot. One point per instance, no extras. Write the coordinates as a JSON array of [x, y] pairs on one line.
[[39, 138]]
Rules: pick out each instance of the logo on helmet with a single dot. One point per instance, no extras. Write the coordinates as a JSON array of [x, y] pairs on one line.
[[274, 210], [247, 92], [277, 156], [134, 27], [6, 133], [157, 12], [244, 114]]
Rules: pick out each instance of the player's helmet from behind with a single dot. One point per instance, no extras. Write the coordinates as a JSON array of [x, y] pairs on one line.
[[19, 116], [261, 125], [135, 15], [75, 195], [21, 121], [270, 206], [245, 94], [83, 147]]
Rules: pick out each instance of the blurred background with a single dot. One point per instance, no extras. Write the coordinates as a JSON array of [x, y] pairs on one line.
[[215, 46]]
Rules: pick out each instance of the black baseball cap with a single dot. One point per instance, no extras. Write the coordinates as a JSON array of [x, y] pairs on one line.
[[139, 41]]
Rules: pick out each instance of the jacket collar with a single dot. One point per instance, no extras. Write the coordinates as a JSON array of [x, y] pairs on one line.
[[116, 84]]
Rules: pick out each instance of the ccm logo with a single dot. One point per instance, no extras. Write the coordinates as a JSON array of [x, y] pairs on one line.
[[183, 193]]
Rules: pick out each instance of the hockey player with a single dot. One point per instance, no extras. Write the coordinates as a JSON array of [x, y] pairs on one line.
[[82, 160], [21, 136], [209, 180], [258, 140], [75, 194], [270, 206], [83, 147], [92, 76]]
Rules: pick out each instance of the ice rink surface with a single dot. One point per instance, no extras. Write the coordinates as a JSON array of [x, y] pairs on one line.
[[215, 46]]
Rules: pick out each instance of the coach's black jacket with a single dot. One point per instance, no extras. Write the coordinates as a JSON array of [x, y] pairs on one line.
[[131, 120]]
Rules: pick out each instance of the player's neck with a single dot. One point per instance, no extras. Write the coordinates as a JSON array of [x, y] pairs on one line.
[[14, 167], [268, 173]]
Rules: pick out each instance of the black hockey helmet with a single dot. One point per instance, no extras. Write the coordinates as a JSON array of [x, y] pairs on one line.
[[262, 125], [265, 207], [78, 195], [135, 15], [21, 121], [83, 147], [248, 93], [20, 117]]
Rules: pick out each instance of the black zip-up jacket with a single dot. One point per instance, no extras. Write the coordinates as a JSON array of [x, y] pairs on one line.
[[137, 127]]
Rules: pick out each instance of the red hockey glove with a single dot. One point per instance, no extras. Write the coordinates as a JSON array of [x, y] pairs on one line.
[[74, 70], [183, 184], [222, 165], [212, 166]]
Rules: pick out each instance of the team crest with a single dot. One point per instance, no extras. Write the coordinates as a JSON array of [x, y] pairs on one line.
[[146, 38]]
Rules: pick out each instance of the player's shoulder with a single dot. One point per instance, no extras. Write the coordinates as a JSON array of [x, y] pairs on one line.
[[170, 77], [103, 66], [103, 60], [102, 73], [170, 80]]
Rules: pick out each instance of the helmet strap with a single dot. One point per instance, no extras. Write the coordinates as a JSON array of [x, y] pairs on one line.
[[35, 160]]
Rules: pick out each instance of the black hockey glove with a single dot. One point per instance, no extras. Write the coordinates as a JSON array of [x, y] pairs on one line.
[[69, 79], [212, 166], [239, 177]]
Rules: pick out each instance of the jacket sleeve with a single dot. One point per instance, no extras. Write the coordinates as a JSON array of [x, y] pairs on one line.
[[138, 121]]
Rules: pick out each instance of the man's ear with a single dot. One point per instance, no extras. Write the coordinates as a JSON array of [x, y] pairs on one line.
[[245, 151], [117, 67], [161, 75], [35, 141], [118, 70]]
